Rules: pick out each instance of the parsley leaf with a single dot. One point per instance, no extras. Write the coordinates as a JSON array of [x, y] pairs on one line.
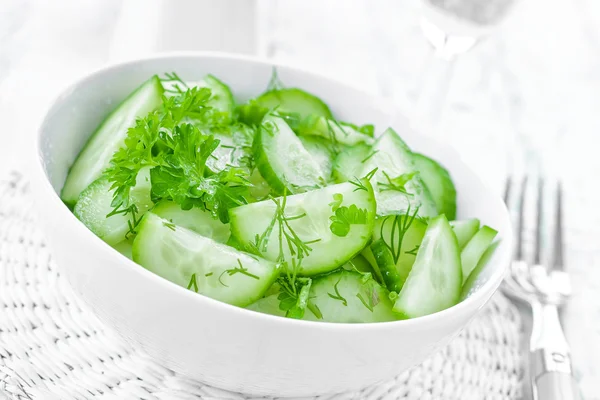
[[344, 216], [337, 201]]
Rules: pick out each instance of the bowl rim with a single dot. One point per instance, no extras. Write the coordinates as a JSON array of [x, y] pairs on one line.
[[474, 301]]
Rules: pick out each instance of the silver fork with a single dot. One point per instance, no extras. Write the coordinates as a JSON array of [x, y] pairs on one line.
[[544, 289]]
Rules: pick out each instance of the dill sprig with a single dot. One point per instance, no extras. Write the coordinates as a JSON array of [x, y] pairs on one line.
[[396, 184], [338, 295], [400, 224], [193, 283], [240, 269]]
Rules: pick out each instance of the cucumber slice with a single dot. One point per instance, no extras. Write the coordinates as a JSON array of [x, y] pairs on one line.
[[465, 230], [260, 189], [94, 205], [434, 283], [367, 253], [125, 247], [358, 263], [440, 185], [110, 136], [470, 285], [197, 220], [349, 297], [294, 100], [268, 305], [349, 162], [321, 152], [475, 248], [221, 98], [335, 132], [393, 159], [385, 261], [308, 215], [193, 261], [251, 113], [235, 149], [396, 241], [282, 160]]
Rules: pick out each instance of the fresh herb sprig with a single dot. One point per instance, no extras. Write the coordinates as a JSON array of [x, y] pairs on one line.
[[176, 151], [400, 224]]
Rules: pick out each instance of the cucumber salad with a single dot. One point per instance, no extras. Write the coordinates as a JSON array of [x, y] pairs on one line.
[[275, 205]]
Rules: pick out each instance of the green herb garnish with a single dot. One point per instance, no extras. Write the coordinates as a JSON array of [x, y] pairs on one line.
[[343, 217]]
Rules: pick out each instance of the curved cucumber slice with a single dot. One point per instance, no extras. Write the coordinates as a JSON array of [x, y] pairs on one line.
[[349, 162], [349, 297], [197, 220], [396, 176], [94, 205], [234, 150], [260, 188], [475, 248], [333, 131], [222, 98], [321, 152], [465, 230], [294, 100], [98, 151], [125, 247], [201, 264], [367, 253], [470, 285], [268, 305], [358, 263], [440, 185], [396, 241], [282, 160], [309, 216], [385, 261], [434, 283]]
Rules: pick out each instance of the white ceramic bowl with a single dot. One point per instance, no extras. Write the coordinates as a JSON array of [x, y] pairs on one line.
[[222, 345]]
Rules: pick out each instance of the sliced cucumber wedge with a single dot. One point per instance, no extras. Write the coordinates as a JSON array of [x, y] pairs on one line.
[[221, 98], [398, 184], [260, 188], [110, 136], [367, 253], [435, 280], [197, 220], [125, 247], [348, 163], [282, 159], [349, 297], [310, 218], [360, 264], [235, 149], [94, 205], [396, 241], [201, 264], [268, 305], [440, 185], [321, 152], [295, 101], [470, 285], [465, 230], [333, 131], [475, 248]]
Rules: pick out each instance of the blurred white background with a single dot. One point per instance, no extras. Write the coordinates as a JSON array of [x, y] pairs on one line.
[[525, 99]]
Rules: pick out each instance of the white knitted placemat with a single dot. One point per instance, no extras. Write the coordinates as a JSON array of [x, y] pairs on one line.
[[52, 347]]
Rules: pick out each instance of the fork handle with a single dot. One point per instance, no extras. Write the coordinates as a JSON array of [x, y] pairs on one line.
[[551, 372], [556, 386]]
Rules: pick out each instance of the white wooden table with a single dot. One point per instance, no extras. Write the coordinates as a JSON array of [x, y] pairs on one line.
[[525, 100]]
